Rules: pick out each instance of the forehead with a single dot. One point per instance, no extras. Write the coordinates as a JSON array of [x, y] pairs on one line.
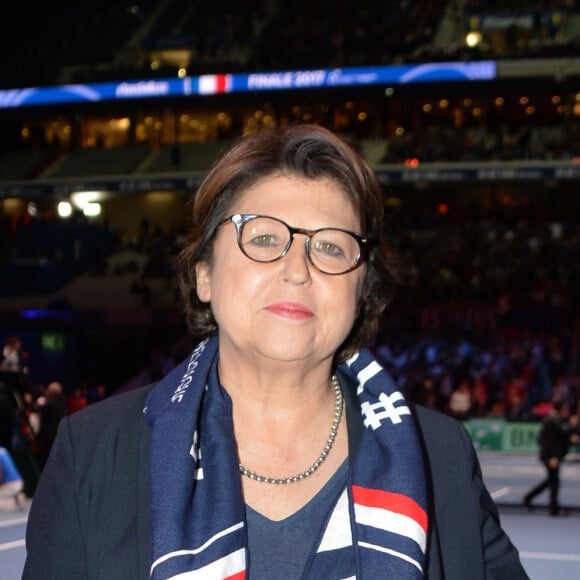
[[300, 201]]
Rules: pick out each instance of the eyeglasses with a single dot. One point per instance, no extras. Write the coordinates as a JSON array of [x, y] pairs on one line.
[[267, 239]]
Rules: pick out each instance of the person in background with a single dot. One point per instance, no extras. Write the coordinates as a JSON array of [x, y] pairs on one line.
[[77, 400], [96, 393], [12, 497], [11, 355], [279, 447], [51, 408], [554, 443], [574, 430], [461, 401], [11, 382]]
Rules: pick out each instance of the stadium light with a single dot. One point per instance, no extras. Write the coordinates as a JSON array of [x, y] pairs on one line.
[[64, 209], [92, 209], [473, 39]]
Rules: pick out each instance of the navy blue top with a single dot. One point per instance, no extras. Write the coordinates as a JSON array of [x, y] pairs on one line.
[[280, 549]]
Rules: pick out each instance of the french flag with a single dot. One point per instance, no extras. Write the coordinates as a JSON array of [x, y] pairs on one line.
[[230, 567], [214, 84], [403, 521]]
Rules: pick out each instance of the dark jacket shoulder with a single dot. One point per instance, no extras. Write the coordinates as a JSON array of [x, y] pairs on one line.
[[467, 537], [121, 407]]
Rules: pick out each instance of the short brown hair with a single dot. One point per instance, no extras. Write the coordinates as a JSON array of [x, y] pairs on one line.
[[308, 151]]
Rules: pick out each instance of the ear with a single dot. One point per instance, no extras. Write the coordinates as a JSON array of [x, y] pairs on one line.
[[203, 281]]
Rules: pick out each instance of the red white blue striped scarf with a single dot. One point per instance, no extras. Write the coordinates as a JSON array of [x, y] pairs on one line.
[[377, 528]]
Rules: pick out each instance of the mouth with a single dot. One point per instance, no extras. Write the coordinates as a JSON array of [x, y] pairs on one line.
[[290, 310]]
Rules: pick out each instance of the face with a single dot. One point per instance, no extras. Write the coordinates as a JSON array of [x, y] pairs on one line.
[[284, 310]]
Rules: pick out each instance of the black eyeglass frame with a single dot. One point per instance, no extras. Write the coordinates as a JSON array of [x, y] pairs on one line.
[[241, 219]]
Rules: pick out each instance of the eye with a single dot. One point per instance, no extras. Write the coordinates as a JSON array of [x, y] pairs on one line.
[[264, 238], [329, 249], [264, 241]]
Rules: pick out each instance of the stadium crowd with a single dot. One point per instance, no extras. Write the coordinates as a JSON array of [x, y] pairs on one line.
[[487, 323], [490, 301], [485, 141]]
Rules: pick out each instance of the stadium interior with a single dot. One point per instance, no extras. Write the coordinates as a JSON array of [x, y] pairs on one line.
[[481, 179]]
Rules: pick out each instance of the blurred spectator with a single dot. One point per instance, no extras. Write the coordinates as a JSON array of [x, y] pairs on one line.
[[574, 431], [480, 391], [11, 484], [96, 393], [515, 398], [460, 402], [77, 400], [51, 408], [13, 386], [11, 355]]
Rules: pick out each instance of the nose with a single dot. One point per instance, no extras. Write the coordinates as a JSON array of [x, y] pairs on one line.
[[296, 264]]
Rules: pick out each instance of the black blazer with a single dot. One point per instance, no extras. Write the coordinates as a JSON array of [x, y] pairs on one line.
[[89, 518]]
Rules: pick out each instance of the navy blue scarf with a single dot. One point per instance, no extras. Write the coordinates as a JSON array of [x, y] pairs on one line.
[[377, 528]]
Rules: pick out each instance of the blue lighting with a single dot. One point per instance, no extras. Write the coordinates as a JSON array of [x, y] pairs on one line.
[[243, 82], [39, 314]]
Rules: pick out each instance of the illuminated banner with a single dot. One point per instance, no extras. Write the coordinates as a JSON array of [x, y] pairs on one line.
[[239, 83]]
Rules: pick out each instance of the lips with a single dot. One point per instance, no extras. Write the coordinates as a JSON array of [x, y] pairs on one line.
[[290, 310]]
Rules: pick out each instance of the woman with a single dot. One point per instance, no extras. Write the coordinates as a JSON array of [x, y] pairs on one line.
[[279, 448]]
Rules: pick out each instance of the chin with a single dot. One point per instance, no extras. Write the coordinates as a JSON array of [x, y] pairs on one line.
[[293, 348], [284, 354]]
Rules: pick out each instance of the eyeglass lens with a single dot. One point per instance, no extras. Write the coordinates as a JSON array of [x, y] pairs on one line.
[[265, 239]]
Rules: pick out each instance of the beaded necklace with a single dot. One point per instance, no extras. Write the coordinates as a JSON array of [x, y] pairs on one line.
[[321, 457]]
